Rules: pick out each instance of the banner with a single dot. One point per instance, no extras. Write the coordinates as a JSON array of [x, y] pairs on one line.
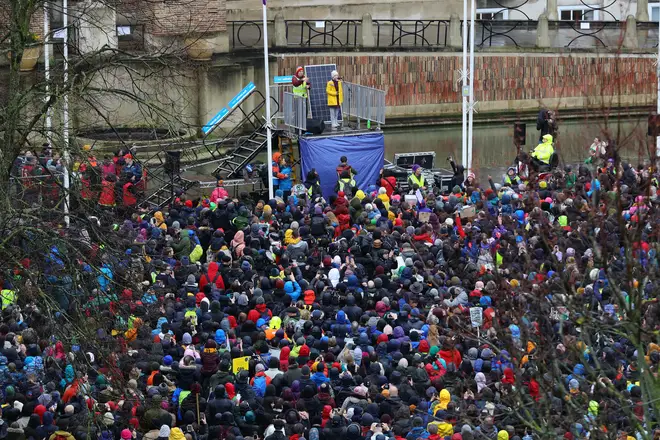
[[365, 153]]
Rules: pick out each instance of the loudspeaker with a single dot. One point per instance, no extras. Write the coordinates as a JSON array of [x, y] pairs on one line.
[[315, 126], [172, 162], [654, 125], [519, 133]]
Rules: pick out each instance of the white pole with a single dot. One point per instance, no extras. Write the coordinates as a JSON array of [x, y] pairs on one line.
[[47, 70], [269, 141], [473, 14], [657, 73], [464, 83], [65, 12]]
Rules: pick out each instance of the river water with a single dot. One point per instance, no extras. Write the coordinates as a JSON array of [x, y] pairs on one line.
[[493, 148]]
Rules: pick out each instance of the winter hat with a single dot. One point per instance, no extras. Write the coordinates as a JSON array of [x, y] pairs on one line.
[[126, 434], [108, 419], [187, 339], [164, 432], [167, 360], [259, 368]]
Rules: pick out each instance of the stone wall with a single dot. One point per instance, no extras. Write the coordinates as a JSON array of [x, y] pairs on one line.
[[178, 17], [428, 84]]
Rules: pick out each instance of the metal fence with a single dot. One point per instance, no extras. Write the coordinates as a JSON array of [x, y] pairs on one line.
[[346, 34], [322, 33], [364, 103], [277, 92], [411, 33], [295, 111]]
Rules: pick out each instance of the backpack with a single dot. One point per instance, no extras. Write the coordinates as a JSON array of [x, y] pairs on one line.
[[317, 226], [259, 386], [196, 254]]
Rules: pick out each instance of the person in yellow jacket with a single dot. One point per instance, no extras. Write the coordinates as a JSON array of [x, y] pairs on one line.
[[543, 152], [8, 295], [335, 93]]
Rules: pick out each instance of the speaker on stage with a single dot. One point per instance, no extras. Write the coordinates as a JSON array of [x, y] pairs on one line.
[[173, 162], [315, 126], [519, 133]]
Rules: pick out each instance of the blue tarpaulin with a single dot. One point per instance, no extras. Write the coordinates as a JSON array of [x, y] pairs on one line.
[[365, 153]]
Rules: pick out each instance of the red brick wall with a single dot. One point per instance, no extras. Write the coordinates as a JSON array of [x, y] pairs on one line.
[[433, 79], [36, 20], [178, 17]]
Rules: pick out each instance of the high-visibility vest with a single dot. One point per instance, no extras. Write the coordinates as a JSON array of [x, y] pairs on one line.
[[419, 181], [300, 90], [344, 182], [8, 297]]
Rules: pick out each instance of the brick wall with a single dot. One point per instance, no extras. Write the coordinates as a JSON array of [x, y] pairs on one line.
[[178, 17], [415, 80], [36, 20]]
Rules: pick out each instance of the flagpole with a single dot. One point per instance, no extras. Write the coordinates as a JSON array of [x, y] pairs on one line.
[[269, 140]]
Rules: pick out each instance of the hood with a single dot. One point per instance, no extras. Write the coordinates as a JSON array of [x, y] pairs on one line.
[[579, 370], [220, 337], [341, 317], [547, 139], [444, 398], [398, 332]]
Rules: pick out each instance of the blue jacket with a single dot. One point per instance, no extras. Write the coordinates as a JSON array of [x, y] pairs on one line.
[[318, 378], [286, 184]]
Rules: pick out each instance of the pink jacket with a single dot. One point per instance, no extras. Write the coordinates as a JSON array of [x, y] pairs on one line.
[[218, 194]]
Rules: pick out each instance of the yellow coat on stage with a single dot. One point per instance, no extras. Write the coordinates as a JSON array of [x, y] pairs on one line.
[[334, 93]]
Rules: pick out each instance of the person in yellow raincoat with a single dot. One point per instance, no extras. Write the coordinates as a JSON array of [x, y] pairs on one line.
[[335, 92], [543, 152]]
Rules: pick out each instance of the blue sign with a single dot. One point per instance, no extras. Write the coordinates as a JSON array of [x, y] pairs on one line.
[[222, 114], [236, 101], [282, 80]]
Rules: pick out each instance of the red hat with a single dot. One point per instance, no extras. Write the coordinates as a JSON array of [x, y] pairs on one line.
[[279, 284], [382, 338], [424, 346], [188, 203], [327, 261], [341, 194], [128, 156], [299, 69], [304, 351]]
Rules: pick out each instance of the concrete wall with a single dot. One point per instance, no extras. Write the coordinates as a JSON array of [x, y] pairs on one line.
[[427, 85], [345, 9], [619, 9]]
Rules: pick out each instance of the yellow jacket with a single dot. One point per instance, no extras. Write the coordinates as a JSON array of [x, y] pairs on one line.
[[544, 150], [335, 95]]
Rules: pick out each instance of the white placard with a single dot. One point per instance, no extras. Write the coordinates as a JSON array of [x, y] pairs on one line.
[[476, 316]]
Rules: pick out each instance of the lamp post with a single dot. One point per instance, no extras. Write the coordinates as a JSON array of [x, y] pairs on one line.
[[65, 111], [464, 83], [473, 15]]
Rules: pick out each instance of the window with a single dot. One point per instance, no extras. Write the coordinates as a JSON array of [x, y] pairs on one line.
[[492, 14], [654, 11], [577, 13]]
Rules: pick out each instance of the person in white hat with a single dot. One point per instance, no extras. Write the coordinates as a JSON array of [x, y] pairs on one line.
[[335, 93]]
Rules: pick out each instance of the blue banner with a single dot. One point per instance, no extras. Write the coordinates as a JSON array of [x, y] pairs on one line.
[[236, 100], [365, 153], [282, 79], [219, 117]]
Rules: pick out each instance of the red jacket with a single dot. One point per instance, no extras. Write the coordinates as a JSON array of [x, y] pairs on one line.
[[389, 183], [129, 198], [107, 197], [210, 275]]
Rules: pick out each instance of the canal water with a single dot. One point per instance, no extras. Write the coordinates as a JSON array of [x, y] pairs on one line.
[[493, 148]]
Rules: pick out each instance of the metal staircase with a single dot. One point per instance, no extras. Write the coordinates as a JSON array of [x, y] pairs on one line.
[[230, 154]]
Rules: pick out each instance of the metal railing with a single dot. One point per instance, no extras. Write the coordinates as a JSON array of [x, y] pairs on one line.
[[247, 34], [364, 103], [328, 33], [412, 33], [295, 111], [277, 93], [347, 34]]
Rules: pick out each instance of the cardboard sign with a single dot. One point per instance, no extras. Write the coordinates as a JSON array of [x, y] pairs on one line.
[[241, 363], [476, 316], [411, 199], [468, 212]]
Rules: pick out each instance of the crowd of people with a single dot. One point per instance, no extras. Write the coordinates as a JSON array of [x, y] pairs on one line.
[[493, 311]]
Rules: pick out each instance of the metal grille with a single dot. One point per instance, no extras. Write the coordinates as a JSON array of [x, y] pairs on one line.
[[364, 103], [295, 111]]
